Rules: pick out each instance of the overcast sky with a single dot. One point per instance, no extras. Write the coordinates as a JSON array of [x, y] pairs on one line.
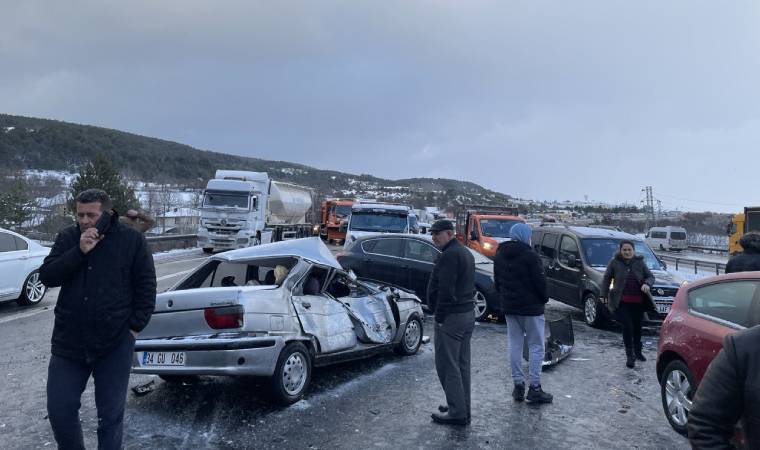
[[544, 100]]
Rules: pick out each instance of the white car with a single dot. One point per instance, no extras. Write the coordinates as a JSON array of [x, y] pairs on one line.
[[20, 261]]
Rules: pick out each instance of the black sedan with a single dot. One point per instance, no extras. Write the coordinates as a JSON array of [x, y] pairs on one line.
[[407, 260]]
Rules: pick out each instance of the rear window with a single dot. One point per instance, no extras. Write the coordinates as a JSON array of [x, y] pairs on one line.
[[7, 243], [548, 244], [227, 274], [387, 247], [732, 301], [678, 235]]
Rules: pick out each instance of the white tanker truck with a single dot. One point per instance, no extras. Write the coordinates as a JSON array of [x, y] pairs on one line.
[[241, 209]]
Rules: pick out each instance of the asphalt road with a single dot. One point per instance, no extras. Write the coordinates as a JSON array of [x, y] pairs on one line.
[[378, 403]]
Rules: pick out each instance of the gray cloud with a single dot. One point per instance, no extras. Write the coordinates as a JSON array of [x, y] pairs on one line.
[[549, 100]]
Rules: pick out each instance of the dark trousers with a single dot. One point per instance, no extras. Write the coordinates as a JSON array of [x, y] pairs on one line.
[[452, 360], [629, 315], [67, 379]]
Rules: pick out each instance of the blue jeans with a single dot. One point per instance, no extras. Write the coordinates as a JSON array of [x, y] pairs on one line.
[[67, 379], [518, 328]]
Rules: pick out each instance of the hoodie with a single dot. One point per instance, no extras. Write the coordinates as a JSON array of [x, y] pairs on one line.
[[749, 259], [519, 275]]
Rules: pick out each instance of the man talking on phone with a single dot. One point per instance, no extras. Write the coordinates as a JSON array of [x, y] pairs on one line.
[[108, 292]]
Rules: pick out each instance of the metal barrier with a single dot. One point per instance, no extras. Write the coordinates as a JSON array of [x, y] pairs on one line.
[[172, 241], [709, 249], [697, 264]]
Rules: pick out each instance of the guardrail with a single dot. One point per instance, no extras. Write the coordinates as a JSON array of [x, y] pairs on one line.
[[709, 249], [172, 241], [695, 263]]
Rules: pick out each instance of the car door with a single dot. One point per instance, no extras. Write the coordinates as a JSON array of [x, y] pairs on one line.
[[568, 271], [419, 259], [13, 264], [383, 260], [548, 254]]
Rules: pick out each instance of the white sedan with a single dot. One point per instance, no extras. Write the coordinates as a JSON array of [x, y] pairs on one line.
[[20, 261]]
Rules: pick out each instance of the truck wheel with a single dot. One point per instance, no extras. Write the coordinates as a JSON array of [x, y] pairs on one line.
[[412, 338], [32, 291], [593, 311], [291, 375]]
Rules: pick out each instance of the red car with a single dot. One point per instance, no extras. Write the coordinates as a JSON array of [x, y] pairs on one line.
[[703, 313]]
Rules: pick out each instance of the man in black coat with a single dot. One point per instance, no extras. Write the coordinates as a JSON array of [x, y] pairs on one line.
[[729, 393], [108, 292], [519, 278], [749, 259], [451, 295]]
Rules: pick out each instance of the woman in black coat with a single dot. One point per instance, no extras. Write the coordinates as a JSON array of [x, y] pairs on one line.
[[629, 297]]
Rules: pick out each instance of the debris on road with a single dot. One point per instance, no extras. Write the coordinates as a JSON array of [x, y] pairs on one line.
[[144, 389]]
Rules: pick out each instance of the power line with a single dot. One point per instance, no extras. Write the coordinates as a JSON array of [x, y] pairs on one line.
[[697, 201]]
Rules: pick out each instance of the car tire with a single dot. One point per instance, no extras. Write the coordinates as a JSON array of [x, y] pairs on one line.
[[481, 306], [173, 379], [677, 391], [411, 339], [32, 290], [291, 375], [593, 311], [208, 250]]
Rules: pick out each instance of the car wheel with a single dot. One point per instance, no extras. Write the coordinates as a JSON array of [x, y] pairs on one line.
[[481, 306], [592, 311], [677, 390], [179, 378], [291, 375], [208, 250], [32, 291], [412, 338]]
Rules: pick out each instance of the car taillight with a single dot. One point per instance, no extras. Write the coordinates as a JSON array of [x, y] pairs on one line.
[[224, 317]]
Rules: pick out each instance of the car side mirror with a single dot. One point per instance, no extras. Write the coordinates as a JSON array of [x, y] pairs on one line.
[[473, 236]]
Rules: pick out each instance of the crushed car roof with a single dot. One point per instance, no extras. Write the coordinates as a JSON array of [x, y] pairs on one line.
[[311, 249]]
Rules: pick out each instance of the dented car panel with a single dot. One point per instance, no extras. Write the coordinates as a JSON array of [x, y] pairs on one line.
[[229, 317]]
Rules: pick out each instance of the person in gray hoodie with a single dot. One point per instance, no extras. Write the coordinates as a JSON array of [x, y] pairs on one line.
[[519, 279]]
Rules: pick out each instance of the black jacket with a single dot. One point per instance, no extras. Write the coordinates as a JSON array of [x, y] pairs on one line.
[[451, 288], [519, 278], [728, 393], [617, 270], [749, 259], [104, 293]]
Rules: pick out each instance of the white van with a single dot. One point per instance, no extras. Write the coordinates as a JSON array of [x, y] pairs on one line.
[[667, 238]]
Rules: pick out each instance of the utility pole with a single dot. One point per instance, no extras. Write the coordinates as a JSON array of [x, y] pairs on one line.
[[659, 211], [649, 207]]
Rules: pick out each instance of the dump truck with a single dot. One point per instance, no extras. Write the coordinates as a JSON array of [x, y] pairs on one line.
[[334, 215], [483, 228], [241, 209], [742, 223]]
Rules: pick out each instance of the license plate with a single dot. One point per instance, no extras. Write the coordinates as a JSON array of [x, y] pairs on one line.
[[162, 359], [663, 309]]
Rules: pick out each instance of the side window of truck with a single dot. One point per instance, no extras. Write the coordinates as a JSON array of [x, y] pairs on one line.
[[548, 245]]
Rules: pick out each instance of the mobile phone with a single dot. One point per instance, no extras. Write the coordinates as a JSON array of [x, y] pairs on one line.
[[103, 223]]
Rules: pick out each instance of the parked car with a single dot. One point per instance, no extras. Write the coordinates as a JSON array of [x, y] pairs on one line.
[[230, 317], [667, 238], [407, 260], [575, 259], [703, 313], [20, 260]]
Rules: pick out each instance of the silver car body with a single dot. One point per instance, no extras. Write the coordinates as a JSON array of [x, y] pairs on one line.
[[334, 327]]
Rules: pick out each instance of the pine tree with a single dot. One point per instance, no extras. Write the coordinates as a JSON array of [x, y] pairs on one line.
[[100, 174], [15, 205]]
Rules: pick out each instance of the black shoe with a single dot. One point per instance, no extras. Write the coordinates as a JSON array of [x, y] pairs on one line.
[[630, 358], [519, 392], [537, 395], [445, 408], [639, 354], [445, 419]]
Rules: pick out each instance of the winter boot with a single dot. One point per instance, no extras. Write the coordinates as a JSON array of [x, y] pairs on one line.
[[519, 392], [639, 354], [537, 395], [630, 358]]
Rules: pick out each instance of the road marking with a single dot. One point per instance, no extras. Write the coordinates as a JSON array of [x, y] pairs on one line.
[[166, 277], [173, 261], [24, 314]]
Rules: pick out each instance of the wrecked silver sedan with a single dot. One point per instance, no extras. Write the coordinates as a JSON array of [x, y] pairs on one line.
[[274, 310]]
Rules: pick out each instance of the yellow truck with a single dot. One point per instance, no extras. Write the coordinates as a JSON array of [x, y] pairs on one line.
[[741, 223]]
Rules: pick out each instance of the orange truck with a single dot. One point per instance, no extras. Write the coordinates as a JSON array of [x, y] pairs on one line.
[[334, 218], [483, 228]]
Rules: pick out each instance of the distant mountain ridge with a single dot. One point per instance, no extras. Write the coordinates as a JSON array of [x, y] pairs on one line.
[[44, 144]]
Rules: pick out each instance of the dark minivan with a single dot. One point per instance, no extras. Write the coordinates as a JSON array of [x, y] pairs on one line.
[[575, 259]]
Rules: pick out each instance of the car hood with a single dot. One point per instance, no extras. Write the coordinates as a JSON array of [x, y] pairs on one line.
[[311, 249]]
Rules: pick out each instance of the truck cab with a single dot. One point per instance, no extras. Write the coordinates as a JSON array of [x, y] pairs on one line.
[[483, 228], [369, 218], [742, 223], [334, 219]]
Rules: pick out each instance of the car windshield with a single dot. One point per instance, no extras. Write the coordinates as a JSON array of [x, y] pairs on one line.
[[496, 227], [225, 200], [599, 252], [343, 210], [378, 221]]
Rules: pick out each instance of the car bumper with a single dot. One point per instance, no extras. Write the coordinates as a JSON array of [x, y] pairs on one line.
[[212, 356]]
